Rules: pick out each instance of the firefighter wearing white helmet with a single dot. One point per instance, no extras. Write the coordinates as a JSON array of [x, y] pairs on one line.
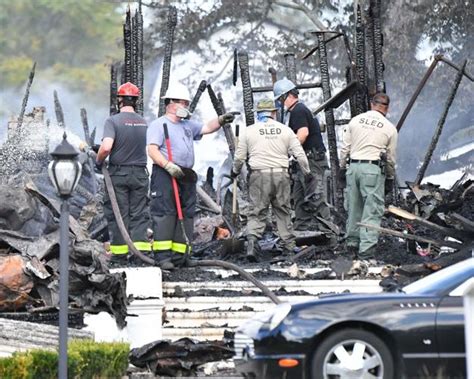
[[169, 245], [308, 191]]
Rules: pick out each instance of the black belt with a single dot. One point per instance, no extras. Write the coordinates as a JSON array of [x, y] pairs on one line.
[[377, 162], [125, 165]]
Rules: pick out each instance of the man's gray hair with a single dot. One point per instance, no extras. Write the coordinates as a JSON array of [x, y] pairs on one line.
[[381, 98]]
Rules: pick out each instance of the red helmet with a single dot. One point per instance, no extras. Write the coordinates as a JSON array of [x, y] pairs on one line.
[[128, 89]]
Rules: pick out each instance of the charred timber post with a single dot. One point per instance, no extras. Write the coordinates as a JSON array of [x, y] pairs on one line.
[[197, 96], [439, 128], [290, 66], [169, 39], [299, 86], [352, 100], [361, 97], [58, 109], [122, 73], [113, 89], [85, 126], [25, 98], [315, 49], [229, 135], [134, 49], [369, 52], [127, 43], [140, 77], [273, 74], [378, 43], [329, 113], [246, 87], [219, 108], [420, 87]]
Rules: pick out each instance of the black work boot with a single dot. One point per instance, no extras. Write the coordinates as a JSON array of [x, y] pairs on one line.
[[253, 249], [119, 260], [163, 259]]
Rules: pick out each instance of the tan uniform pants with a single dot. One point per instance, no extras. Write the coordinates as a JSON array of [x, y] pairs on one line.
[[270, 187]]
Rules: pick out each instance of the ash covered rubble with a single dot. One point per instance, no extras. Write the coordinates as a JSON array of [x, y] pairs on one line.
[[29, 236]]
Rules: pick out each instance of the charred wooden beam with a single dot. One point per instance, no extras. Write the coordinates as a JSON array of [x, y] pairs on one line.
[[412, 237], [465, 222], [207, 200], [134, 49], [113, 89], [197, 96], [139, 60], [85, 126], [246, 87], [94, 130], [315, 49], [361, 97], [58, 109], [273, 74], [439, 128], [220, 110], [25, 98], [379, 67], [290, 66], [299, 86], [419, 88], [127, 43], [329, 113], [169, 41], [421, 221]]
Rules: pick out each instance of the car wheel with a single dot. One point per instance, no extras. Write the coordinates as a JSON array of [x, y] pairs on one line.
[[352, 353]]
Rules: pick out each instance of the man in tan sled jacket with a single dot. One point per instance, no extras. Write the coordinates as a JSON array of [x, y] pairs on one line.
[[267, 144]]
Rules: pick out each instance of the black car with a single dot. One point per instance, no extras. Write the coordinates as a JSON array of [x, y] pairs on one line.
[[417, 332]]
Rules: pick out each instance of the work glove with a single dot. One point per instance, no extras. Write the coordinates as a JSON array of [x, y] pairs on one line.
[[233, 174], [98, 167], [341, 177], [226, 118], [174, 170]]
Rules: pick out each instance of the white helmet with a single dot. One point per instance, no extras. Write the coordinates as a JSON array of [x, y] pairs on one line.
[[177, 91]]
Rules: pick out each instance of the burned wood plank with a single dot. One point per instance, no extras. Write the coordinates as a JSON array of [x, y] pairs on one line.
[[465, 222], [413, 237], [421, 221]]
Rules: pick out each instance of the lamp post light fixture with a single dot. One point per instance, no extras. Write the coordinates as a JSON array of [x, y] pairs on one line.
[[64, 171]]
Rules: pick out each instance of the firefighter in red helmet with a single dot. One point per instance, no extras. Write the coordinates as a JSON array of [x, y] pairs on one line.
[[124, 142]]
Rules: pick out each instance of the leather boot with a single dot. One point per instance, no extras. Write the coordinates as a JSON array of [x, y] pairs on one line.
[[252, 249], [163, 260]]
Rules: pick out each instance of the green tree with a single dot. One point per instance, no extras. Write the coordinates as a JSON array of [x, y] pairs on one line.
[[71, 41]]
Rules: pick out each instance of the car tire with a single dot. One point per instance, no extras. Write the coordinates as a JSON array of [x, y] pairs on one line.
[[334, 358]]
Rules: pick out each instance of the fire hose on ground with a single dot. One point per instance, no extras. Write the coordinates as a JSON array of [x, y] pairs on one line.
[[200, 263]]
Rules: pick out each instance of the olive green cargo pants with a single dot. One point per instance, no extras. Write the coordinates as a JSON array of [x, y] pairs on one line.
[[270, 187], [365, 204]]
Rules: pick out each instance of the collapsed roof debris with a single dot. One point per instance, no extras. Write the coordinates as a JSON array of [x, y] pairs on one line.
[[179, 358], [29, 239]]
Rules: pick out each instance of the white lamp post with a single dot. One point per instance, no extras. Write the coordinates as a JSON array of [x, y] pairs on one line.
[[64, 171]]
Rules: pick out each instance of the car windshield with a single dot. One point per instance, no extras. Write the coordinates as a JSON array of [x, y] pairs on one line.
[[443, 280]]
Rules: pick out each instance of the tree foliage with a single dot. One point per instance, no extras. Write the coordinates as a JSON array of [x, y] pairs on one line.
[[70, 40]]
